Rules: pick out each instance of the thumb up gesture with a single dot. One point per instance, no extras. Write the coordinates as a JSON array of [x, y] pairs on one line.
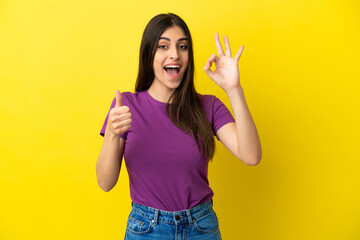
[[119, 120]]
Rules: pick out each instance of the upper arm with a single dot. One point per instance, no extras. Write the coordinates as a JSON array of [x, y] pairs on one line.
[[227, 136]]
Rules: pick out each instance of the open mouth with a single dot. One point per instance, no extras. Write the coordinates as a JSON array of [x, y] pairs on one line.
[[172, 70]]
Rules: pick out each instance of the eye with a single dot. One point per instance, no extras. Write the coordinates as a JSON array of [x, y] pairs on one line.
[[183, 47], [162, 46]]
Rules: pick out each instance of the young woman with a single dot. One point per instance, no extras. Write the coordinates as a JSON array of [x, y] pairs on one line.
[[165, 130]]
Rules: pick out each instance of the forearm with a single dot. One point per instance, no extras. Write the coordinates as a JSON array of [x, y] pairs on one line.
[[249, 147], [109, 162]]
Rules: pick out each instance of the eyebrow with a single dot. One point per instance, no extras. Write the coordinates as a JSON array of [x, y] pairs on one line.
[[168, 39]]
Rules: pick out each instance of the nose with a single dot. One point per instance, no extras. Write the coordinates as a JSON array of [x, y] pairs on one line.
[[174, 53]]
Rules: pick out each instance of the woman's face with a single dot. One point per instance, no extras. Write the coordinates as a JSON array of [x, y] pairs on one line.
[[170, 60]]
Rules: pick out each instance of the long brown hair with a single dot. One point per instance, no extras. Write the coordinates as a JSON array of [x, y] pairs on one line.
[[186, 110]]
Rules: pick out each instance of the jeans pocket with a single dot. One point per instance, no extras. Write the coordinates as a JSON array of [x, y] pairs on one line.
[[138, 224], [207, 223]]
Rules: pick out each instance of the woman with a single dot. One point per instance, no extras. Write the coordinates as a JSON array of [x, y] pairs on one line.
[[165, 130]]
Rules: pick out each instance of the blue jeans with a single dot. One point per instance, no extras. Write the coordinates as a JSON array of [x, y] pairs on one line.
[[197, 223]]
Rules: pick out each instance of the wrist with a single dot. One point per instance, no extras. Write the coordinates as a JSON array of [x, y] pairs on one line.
[[110, 135], [235, 91]]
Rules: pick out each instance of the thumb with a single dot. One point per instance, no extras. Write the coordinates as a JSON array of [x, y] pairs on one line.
[[209, 62], [208, 70], [118, 98]]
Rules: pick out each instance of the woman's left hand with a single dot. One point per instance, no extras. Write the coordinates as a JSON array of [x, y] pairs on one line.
[[226, 73]]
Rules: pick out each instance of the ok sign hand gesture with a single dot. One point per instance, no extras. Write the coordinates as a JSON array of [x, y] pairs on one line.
[[226, 74]]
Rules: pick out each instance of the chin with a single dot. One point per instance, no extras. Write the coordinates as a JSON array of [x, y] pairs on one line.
[[174, 83], [173, 86]]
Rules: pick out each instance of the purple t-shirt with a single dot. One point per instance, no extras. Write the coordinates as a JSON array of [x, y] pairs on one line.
[[166, 169]]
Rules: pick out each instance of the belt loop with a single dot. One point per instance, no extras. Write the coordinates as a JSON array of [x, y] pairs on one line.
[[189, 217], [156, 217]]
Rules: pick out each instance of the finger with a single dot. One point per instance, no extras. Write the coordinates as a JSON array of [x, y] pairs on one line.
[[121, 130], [212, 58], [118, 98], [119, 118], [227, 46], [208, 71], [218, 45], [125, 116], [122, 124], [238, 54], [124, 129], [119, 110]]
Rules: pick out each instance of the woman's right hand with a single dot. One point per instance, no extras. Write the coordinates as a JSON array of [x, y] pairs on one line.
[[119, 120]]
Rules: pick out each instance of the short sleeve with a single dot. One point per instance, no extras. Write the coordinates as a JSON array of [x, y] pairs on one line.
[[102, 131], [220, 115]]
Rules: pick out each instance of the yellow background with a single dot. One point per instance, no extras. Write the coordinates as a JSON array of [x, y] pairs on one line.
[[60, 62]]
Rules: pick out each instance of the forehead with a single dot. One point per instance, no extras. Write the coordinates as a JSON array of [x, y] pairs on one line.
[[173, 32]]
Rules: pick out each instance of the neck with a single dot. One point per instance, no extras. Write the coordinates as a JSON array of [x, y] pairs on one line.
[[159, 94]]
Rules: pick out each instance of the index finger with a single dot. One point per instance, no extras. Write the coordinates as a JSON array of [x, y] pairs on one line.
[[218, 45]]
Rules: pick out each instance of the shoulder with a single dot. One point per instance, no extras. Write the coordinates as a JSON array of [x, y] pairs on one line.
[[213, 106], [209, 101], [216, 111], [130, 98], [206, 99]]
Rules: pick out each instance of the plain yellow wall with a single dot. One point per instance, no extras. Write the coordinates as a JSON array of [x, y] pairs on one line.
[[60, 62]]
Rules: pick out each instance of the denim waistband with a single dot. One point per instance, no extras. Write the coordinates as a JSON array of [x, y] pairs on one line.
[[177, 217]]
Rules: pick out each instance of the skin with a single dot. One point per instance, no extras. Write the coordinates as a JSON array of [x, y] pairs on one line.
[[239, 137], [172, 49], [109, 162]]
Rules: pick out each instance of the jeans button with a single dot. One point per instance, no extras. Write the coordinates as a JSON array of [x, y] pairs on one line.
[[177, 217]]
